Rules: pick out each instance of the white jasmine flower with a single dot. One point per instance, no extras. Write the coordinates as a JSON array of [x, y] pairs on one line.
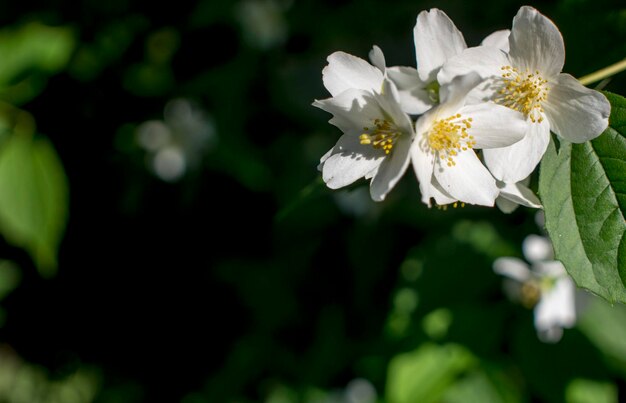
[[513, 194], [436, 40], [528, 79], [442, 153], [376, 140], [545, 285], [345, 71]]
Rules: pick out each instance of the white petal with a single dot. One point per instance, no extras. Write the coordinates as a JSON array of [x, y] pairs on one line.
[[391, 169], [550, 268], [324, 158], [518, 193], [494, 125], [345, 71], [453, 95], [378, 58], [423, 166], [536, 43], [468, 181], [550, 335], [414, 98], [537, 248], [436, 40], [441, 197], [556, 308], [517, 161], [350, 161], [389, 101], [352, 109], [498, 39], [372, 173], [484, 60], [513, 268], [575, 112], [505, 205]]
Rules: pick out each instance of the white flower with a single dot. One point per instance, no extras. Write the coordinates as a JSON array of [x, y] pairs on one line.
[[545, 285], [436, 40], [442, 154], [513, 194], [376, 140], [176, 144], [528, 78]]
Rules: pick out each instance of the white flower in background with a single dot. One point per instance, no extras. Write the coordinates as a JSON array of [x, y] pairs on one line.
[[442, 153], [376, 140], [528, 79], [513, 194], [263, 22], [545, 285], [176, 144]]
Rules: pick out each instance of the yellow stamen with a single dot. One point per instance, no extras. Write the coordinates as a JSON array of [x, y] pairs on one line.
[[523, 92], [448, 137], [382, 136]]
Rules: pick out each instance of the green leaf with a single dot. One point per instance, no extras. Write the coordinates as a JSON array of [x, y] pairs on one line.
[[29, 54], [583, 190], [33, 198], [605, 326], [587, 391], [424, 375]]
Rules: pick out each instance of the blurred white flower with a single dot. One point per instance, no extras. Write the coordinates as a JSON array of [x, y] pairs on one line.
[[263, 22], [176, 144], [544, 285]]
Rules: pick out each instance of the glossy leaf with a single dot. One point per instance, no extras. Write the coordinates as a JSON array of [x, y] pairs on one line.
[[583, 189]]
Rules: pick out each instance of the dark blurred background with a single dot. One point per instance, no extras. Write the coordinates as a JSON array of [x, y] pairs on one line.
[[204, 261]]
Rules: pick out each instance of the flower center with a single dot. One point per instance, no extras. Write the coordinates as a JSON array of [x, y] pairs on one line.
[[523, 92], [449, 136], [382, 136], [530, 293], [432, 90]]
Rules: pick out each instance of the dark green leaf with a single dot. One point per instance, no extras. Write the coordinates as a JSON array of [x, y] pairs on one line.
[[583, 189]]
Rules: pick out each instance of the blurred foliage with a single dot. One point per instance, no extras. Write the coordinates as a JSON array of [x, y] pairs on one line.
[[243, 279]]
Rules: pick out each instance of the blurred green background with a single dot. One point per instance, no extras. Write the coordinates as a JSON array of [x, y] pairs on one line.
[[166, 235]]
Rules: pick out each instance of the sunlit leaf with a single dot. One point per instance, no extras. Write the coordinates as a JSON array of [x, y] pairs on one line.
[[30, 53], [33, 198], [586, 391], [583, 189], [425, 374], [477, 387]]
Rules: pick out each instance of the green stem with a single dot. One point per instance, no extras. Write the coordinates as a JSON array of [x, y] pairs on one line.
[[603, 73]]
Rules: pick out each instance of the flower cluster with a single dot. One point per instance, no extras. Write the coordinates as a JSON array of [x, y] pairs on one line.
[[502, 97]]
